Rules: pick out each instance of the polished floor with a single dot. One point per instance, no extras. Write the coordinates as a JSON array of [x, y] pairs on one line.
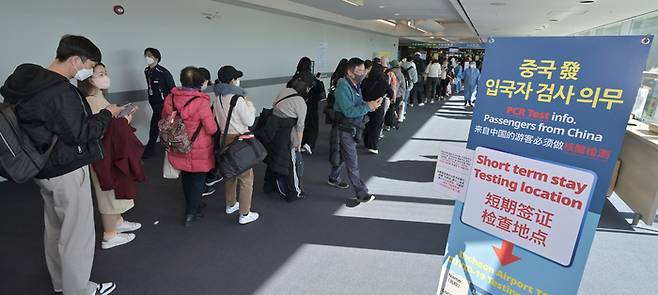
[[320, 245]]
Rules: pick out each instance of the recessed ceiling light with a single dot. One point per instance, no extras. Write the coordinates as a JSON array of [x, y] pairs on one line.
[[388, 22], [382, 6], [587, 1], [498, 3], [357, 3], [396, 14]]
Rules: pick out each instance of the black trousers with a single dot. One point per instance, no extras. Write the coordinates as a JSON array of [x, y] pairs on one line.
[[289, 186], [373, 128], [193, 185], [311, 126], [433, 83], [154, 131], [417, 93], [442, 89]]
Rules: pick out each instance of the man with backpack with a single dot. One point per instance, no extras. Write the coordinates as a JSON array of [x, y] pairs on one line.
[[47, 105], [411, 76]]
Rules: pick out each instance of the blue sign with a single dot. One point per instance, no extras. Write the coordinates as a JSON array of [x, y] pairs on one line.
[[562, 100]]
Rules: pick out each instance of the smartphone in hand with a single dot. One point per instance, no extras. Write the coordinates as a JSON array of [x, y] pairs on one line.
[[127, 110]]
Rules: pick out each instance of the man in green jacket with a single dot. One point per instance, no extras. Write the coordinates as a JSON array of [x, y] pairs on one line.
[[349, 103]]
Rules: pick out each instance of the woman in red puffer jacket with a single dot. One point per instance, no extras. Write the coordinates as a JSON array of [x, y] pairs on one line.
[[195, 164]]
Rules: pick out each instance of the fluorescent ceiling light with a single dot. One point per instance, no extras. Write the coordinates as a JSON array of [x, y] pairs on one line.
[[388, 22], [357, 3], [426, 32]]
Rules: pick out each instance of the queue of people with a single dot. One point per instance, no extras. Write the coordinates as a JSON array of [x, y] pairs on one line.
[[91, 141]]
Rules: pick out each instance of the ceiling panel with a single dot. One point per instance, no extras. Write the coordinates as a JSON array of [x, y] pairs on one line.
[[548, 18], [389, 9]]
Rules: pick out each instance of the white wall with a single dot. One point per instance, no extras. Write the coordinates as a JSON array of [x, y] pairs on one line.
[[262, 44]]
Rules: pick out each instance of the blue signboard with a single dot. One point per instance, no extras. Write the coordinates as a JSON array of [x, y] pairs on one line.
[[564, 101]]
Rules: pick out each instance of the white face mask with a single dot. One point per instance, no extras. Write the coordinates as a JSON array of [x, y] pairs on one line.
[[83, 74], [237, 82], [150, 60]]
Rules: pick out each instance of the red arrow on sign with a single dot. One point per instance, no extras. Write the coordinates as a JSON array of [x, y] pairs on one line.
[[504, 253]]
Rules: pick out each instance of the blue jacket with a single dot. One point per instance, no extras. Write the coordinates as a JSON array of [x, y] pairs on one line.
[[349, 100]]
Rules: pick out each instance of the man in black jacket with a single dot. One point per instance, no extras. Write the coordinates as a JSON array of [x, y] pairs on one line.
[[48, 105], [159, 82]]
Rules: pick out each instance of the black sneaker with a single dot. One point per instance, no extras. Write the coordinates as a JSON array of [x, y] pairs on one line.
[[209, 190], [105, 288], [366, 199], [213, 179], [336, 183]]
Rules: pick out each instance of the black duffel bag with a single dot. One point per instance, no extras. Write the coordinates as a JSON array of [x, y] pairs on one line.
[[241, 155]]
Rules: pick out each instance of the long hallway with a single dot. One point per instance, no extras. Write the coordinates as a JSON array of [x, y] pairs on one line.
[[320, 245]]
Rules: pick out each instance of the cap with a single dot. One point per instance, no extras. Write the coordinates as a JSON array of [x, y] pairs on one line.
[[394, 64], [228, 73]]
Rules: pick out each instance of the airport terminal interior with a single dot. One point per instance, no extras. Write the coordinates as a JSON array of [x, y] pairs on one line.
[[383, 227]]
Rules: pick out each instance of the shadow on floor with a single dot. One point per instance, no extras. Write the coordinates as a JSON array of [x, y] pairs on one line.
[[216, 252]]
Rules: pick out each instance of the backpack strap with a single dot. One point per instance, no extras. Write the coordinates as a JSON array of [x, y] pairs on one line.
[[198, 128], [289, 96]]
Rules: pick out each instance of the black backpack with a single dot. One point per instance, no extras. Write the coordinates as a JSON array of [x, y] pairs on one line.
[[329, 112], [20, 160], [407, 78]]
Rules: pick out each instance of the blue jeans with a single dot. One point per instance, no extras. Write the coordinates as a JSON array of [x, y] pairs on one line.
[[350, 161], [458, 86]]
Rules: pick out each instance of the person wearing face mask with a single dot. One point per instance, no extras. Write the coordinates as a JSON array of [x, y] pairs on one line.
[[110, 204], [50, 109], [193, 106], [350, 110], [285, 166], [244, 115], [159, 82], [471, 78]]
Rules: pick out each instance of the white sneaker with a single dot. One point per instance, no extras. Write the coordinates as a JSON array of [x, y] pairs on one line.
[[421, 104], [128, 226], [104, 289], [249, 218], [231, 210], [118, 240], [307, 149], [372, 151]]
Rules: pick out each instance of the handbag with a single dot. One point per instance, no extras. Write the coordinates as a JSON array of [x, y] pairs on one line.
[[168, 171], [241, 155]]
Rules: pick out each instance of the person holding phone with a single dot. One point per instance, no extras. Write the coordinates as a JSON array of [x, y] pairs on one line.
[[115, 228], [350, 110]]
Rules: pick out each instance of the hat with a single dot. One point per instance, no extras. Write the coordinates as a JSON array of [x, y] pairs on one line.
[[394, 64], [228, 73]]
